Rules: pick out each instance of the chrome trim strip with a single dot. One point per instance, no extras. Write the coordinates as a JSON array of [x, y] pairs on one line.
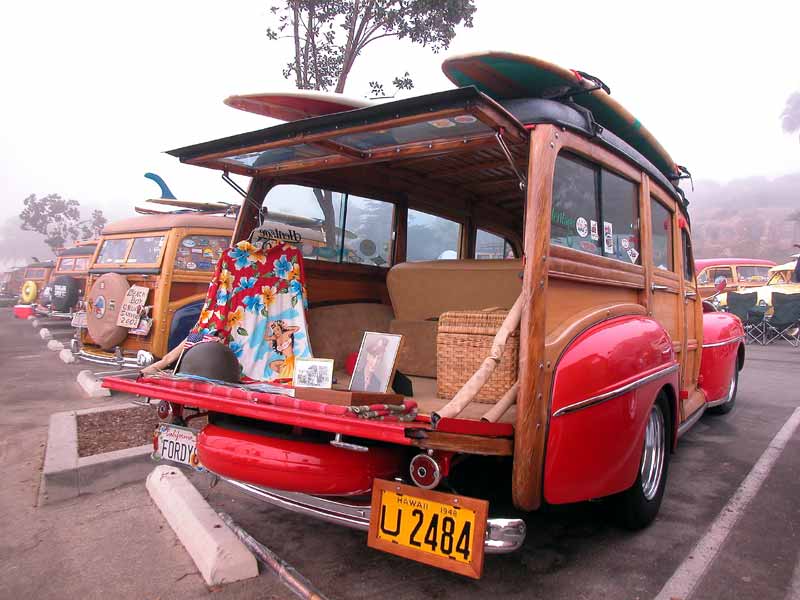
[[502, 535], [725, 343], [714, 403], [111, 362], [615, 393], [693, 418]]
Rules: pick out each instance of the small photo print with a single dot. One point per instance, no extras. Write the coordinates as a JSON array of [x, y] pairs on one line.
[[376, 362], [313, 372]]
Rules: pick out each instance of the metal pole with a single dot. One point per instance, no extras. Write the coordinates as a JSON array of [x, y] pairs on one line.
[[288, 575]]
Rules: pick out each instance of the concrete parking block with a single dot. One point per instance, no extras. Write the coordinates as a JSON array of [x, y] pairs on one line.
[[219, 555], [44, 333], [60, 472], [91, 384], [55, 346], [67, 356]]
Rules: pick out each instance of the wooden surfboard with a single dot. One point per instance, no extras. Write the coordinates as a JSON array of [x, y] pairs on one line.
[[505, 75], [293, 106]]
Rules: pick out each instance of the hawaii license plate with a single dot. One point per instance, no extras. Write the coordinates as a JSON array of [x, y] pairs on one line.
[[438, 529], [177, 444], [79, 319]]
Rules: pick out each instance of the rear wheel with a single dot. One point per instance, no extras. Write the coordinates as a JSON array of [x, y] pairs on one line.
[[638, 506], [730, 400]]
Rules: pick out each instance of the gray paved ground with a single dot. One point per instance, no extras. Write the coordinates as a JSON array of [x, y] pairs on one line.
[[117, 543]]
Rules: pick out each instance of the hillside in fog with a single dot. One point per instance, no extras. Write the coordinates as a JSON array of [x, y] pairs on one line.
[[753, 218]]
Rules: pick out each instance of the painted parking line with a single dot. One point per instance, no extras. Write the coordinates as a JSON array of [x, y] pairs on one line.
[[691, 571]]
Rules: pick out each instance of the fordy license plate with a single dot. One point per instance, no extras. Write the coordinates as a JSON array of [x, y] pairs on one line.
[[438, 529]]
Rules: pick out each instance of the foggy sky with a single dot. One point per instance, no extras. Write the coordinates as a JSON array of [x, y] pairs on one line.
[[96, 91]]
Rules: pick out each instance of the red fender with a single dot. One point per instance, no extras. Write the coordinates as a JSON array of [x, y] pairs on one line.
[[604, 386], [723, 336], [296, 466]]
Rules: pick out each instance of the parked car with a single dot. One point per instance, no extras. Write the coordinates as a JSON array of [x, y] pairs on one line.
[[616, 356], [739, 273], [63, 294], [172, 256], [780, 280]]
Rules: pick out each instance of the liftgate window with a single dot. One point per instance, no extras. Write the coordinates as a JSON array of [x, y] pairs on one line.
[[595, 211]]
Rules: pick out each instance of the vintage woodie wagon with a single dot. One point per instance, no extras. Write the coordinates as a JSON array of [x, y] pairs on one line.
[[63, 294], [617, 355], [173, 256]]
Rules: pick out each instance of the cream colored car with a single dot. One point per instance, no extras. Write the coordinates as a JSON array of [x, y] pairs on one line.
[[780, 281]]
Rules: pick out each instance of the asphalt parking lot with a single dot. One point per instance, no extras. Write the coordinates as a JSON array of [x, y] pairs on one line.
[[729, 526]]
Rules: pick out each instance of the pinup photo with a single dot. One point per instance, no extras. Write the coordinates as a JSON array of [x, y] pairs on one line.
[[376, 362]]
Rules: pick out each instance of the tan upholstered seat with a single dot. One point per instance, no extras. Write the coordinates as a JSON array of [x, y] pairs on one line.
[[422, 291]]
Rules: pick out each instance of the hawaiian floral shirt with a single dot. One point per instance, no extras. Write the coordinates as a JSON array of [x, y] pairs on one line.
[[257, 304]]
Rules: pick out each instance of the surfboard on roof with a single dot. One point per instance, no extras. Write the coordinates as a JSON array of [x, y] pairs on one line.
[[506, 75], [293, 106]]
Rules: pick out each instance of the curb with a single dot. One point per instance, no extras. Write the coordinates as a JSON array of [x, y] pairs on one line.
[[216, 550], [66, 475]]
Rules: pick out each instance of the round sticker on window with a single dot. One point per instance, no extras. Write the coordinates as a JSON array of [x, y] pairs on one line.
[[582, 226], [625, 243], [191, 266], [188, 242]]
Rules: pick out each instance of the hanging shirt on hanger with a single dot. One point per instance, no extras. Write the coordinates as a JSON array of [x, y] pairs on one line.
[[256, 304]]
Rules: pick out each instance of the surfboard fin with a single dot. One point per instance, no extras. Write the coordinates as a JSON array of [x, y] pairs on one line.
[[165, 191]]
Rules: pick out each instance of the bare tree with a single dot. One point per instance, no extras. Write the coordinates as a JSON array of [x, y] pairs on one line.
[[329, 35]]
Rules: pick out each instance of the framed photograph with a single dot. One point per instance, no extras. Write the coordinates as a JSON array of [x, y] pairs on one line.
[[376, 363], [313, 372]]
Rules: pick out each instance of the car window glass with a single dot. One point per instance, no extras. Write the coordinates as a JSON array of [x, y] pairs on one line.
[[725, 272], [688, 259], [82, 263], [431, 237], [491, 246], [752, 273], [113, 251], [333, 226], [661, 220], [702, 278], [145, 250], [619, 207], [368, 227], [200, 252], [34, 274], [574, 219], [66, 264]]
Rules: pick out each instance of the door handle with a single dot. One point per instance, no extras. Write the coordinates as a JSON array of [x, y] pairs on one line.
[[690, 294], [658, 288]]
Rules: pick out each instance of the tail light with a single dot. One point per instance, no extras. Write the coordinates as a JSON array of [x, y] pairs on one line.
[[426, 471], [163, 410]]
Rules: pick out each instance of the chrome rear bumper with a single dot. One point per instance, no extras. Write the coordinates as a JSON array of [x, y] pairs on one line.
[[502, 535]]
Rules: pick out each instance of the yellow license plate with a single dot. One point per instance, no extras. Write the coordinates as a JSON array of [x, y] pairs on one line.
[[442, 530]]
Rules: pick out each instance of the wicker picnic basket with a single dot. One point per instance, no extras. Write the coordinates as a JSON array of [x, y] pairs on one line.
[[463, 342]]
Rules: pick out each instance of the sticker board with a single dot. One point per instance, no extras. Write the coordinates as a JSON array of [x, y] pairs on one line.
[[132, 305]]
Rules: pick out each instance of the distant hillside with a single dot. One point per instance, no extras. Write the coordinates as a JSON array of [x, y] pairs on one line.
[[752, 218]]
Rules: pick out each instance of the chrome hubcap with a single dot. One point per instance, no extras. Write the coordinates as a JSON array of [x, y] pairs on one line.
[[654, 450]]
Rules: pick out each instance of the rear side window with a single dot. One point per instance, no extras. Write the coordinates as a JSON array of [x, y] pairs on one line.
[[34, 274], [661, 221], [66, 264], [431, 237], [82, 263], [491, 246], [200, 252], [752, 274], [333, 226], [595, 211], [688, 257]]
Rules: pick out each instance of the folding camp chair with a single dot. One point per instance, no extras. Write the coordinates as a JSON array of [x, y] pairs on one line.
[[785, 319], [744, 307]]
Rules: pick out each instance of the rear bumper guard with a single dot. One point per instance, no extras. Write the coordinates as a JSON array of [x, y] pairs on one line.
[[502, 535]]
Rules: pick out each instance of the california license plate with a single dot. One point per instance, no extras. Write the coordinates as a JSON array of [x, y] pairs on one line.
[[79, 319], [442, 530], [177, 444]]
